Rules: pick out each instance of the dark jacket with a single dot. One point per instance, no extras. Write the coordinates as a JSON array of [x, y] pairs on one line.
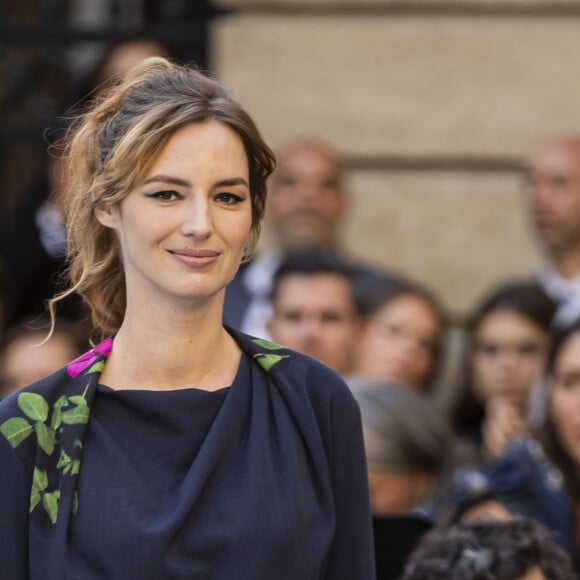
[[277, 489]]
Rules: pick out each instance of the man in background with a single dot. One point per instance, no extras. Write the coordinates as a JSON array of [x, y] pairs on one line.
[[307, 202], [314, 310], [553, 183]]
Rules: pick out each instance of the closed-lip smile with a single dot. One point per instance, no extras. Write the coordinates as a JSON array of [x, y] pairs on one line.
[[195, 253], [195, 258]]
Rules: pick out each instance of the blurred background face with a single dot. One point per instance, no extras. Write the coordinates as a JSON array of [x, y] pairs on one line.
[[508, 356], [398, 493], [565, 397], [305, 199], [24, 362], [490, 509], [533, 574], [399, 342], [127, 55], [315, 315], [554, 194]]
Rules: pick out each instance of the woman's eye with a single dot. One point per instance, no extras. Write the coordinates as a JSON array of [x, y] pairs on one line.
[[165, 195], [393, 329], [229, 198], [568, 380], [529, 349], [488, 349]]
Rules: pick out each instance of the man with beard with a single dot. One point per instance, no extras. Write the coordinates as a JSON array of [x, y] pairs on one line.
[[553, 171], [306, 204]]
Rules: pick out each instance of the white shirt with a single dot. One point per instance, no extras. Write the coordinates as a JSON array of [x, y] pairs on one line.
[[564, 291]]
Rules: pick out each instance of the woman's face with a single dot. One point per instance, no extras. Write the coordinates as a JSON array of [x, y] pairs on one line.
[[182, 230], [399, 342], [565, 397], [509, 353]]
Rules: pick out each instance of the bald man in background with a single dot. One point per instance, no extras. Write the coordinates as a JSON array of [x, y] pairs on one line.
[[553, 184], [306, 205]]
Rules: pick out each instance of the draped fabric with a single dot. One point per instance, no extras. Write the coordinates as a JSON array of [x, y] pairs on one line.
[[264, 479]]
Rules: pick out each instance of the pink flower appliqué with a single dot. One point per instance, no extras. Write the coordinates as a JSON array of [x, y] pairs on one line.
[[84, 361]]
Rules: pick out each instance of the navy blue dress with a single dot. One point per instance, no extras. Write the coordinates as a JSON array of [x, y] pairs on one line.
[[262, 480]]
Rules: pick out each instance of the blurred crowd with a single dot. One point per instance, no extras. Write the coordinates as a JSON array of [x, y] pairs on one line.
[[490, 486]]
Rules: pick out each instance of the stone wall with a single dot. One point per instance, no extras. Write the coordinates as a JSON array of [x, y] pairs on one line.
[[434, 105]]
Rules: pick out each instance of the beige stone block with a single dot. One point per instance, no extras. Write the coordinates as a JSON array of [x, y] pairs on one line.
[[459, 233], [409, 85]]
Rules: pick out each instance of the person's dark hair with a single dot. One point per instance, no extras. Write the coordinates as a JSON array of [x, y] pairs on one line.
[[482, 550], [403, 431], [373, 297], [524, 298], [547, 434], [111, 148], [312, 263], [560, 336]]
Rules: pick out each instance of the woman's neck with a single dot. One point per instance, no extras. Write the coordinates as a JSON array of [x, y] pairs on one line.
[[172, 348]]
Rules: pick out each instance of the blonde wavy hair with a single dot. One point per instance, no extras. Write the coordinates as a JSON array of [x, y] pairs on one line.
[[109, 150]]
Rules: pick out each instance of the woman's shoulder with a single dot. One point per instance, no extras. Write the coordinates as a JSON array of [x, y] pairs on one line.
[[25, 399], [27, 417], [295, 371]]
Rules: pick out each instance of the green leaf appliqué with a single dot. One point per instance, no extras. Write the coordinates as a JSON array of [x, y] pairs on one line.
[[63, 460], [77, 400], [39, 484], [268, 345], [35, 497], [65, 411], [33, 406], [16, 430], [45, 437], [56, 419], [79, 414], [50, 503], [267, 361], [97, 367], [39, 479]]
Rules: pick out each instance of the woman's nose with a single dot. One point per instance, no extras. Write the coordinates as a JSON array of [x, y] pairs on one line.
[[197, 222]]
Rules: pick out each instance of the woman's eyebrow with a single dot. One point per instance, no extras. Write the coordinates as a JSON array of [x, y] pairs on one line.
[[167, 179], [232, 181], [184, 183]]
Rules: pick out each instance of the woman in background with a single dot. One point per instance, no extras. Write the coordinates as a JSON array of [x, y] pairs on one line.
[[561, 433], [402, 335], [507, 347], [407, 445]]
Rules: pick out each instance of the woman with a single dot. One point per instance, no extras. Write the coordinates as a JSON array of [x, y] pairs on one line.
[[561, 433], [406, 443], [178, 449], [402, 335], [507, 346], [407, 447]]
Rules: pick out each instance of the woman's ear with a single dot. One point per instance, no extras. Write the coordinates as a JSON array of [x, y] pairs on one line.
[[107, 215]]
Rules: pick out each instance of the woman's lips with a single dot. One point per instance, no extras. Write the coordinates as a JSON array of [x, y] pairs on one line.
[[195, 258]]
